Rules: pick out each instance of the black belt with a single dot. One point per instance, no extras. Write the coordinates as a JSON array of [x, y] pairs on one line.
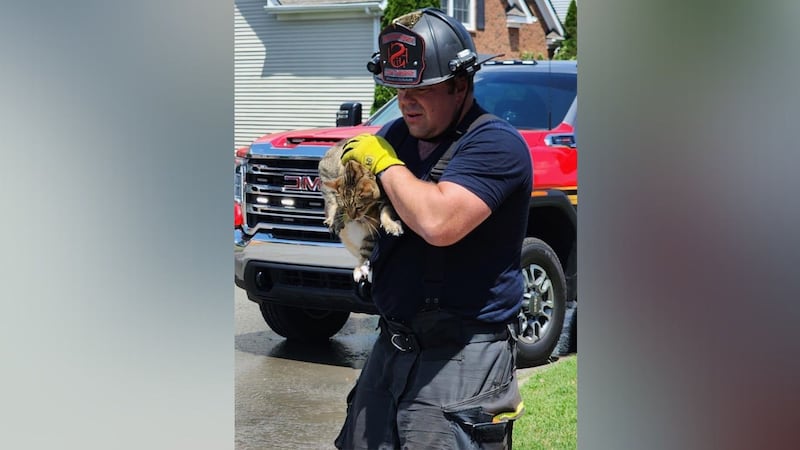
[[439, 328]]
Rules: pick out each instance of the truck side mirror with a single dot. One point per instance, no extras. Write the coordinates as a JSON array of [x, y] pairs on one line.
[[349, 114]]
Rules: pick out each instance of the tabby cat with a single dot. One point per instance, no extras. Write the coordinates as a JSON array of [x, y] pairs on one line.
[[355, 207]]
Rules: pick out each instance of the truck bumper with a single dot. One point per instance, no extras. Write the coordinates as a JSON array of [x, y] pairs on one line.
[[306, 275]]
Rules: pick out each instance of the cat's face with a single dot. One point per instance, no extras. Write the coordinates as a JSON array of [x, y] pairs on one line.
[[357, 190]]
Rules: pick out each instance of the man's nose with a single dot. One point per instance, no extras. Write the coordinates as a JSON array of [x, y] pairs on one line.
[[406, 96]]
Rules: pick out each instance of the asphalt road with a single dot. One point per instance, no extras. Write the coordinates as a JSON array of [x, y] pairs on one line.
[[291, 395]]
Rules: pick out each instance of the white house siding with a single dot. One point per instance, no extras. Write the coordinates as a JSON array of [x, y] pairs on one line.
[[291, 74]]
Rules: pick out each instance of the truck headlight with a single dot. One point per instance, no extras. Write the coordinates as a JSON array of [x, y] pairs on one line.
[[238, 176]]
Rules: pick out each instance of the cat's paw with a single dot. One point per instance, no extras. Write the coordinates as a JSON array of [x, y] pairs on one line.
[[334, 224], [393, 227], [362, 272]]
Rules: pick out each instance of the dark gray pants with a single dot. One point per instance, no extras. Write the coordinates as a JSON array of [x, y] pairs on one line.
[[436, 384]]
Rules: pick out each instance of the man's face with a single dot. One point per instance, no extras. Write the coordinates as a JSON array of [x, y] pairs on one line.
[[429, 110]]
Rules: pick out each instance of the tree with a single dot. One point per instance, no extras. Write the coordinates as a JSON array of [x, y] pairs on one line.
[[395, 9], [569, 46]]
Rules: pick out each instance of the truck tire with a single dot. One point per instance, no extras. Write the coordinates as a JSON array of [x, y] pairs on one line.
[[307, 325], [542, 315], [567, 342]]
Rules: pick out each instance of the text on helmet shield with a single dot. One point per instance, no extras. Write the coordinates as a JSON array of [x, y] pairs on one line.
[[404, 52], [400, 37]]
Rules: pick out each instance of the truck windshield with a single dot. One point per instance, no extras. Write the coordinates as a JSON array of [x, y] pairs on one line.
[[385, 114], [528, 100]]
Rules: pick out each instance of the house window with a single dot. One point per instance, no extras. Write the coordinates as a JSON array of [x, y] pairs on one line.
[[461, 10]]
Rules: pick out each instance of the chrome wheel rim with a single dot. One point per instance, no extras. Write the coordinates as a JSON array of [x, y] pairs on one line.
[[538, 303]]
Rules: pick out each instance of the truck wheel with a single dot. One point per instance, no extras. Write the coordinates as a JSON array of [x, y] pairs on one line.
[[544, 301], [300, 324], [567, 342]]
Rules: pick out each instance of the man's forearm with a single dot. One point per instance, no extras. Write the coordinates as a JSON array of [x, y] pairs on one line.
[[441, 213]]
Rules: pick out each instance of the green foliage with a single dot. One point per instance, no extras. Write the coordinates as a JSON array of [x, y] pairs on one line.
[[395, 9], [571, 21], [551, 408], [569, 46], [530, 56], [382, 95], [567, 51]]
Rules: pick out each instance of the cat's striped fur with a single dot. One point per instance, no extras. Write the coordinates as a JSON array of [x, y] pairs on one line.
[[355, 207]]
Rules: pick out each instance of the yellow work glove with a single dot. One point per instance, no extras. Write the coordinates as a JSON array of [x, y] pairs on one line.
[[372, 151]]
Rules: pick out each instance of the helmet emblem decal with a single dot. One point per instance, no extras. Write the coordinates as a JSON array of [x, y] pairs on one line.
[[402, 51], [398, 54]]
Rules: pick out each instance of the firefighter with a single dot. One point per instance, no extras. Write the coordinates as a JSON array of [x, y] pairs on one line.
[[442, 372]]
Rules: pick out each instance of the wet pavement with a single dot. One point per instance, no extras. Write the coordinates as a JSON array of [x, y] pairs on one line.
[[292, 395]]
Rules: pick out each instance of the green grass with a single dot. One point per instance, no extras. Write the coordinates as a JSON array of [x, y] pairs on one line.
[[551, 408]]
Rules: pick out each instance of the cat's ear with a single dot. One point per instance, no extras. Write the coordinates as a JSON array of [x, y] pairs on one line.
[[369, 188], [354, 168]]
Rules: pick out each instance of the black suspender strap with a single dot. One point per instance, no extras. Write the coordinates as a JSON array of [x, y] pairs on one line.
[[434, 263], [438, 169]]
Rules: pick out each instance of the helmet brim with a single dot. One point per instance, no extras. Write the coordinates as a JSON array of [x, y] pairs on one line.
[[481, 58]]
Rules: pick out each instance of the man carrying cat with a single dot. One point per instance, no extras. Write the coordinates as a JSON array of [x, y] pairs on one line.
[[441, 373]]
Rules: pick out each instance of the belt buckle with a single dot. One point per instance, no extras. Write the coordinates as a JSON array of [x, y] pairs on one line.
[[402, 338]]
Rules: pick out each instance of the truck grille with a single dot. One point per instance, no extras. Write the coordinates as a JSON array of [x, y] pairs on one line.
[[282, 198]]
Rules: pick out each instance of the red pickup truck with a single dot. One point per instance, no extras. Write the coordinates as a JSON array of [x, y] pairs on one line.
[[301, 276]]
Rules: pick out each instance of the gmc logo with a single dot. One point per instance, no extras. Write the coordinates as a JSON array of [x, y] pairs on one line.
[[301, 183]]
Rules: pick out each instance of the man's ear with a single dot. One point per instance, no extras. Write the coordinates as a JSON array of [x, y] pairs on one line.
[[461, 84]]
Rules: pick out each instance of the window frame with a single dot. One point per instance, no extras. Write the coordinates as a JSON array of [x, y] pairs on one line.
[[447, 7]]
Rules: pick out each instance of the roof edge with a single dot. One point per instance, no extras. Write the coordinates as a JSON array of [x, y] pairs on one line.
[[516, 20], [550, 17], [369, 8]]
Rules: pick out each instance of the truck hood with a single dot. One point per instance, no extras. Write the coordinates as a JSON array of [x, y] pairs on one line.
[[553, 166], [323, 137]]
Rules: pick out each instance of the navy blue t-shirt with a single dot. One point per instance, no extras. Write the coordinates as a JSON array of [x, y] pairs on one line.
[[478, 277]]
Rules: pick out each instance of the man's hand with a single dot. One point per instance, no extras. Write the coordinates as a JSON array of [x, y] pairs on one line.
[[372, 151]]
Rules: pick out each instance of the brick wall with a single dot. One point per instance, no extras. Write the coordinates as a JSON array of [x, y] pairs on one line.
[[498, 38]]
